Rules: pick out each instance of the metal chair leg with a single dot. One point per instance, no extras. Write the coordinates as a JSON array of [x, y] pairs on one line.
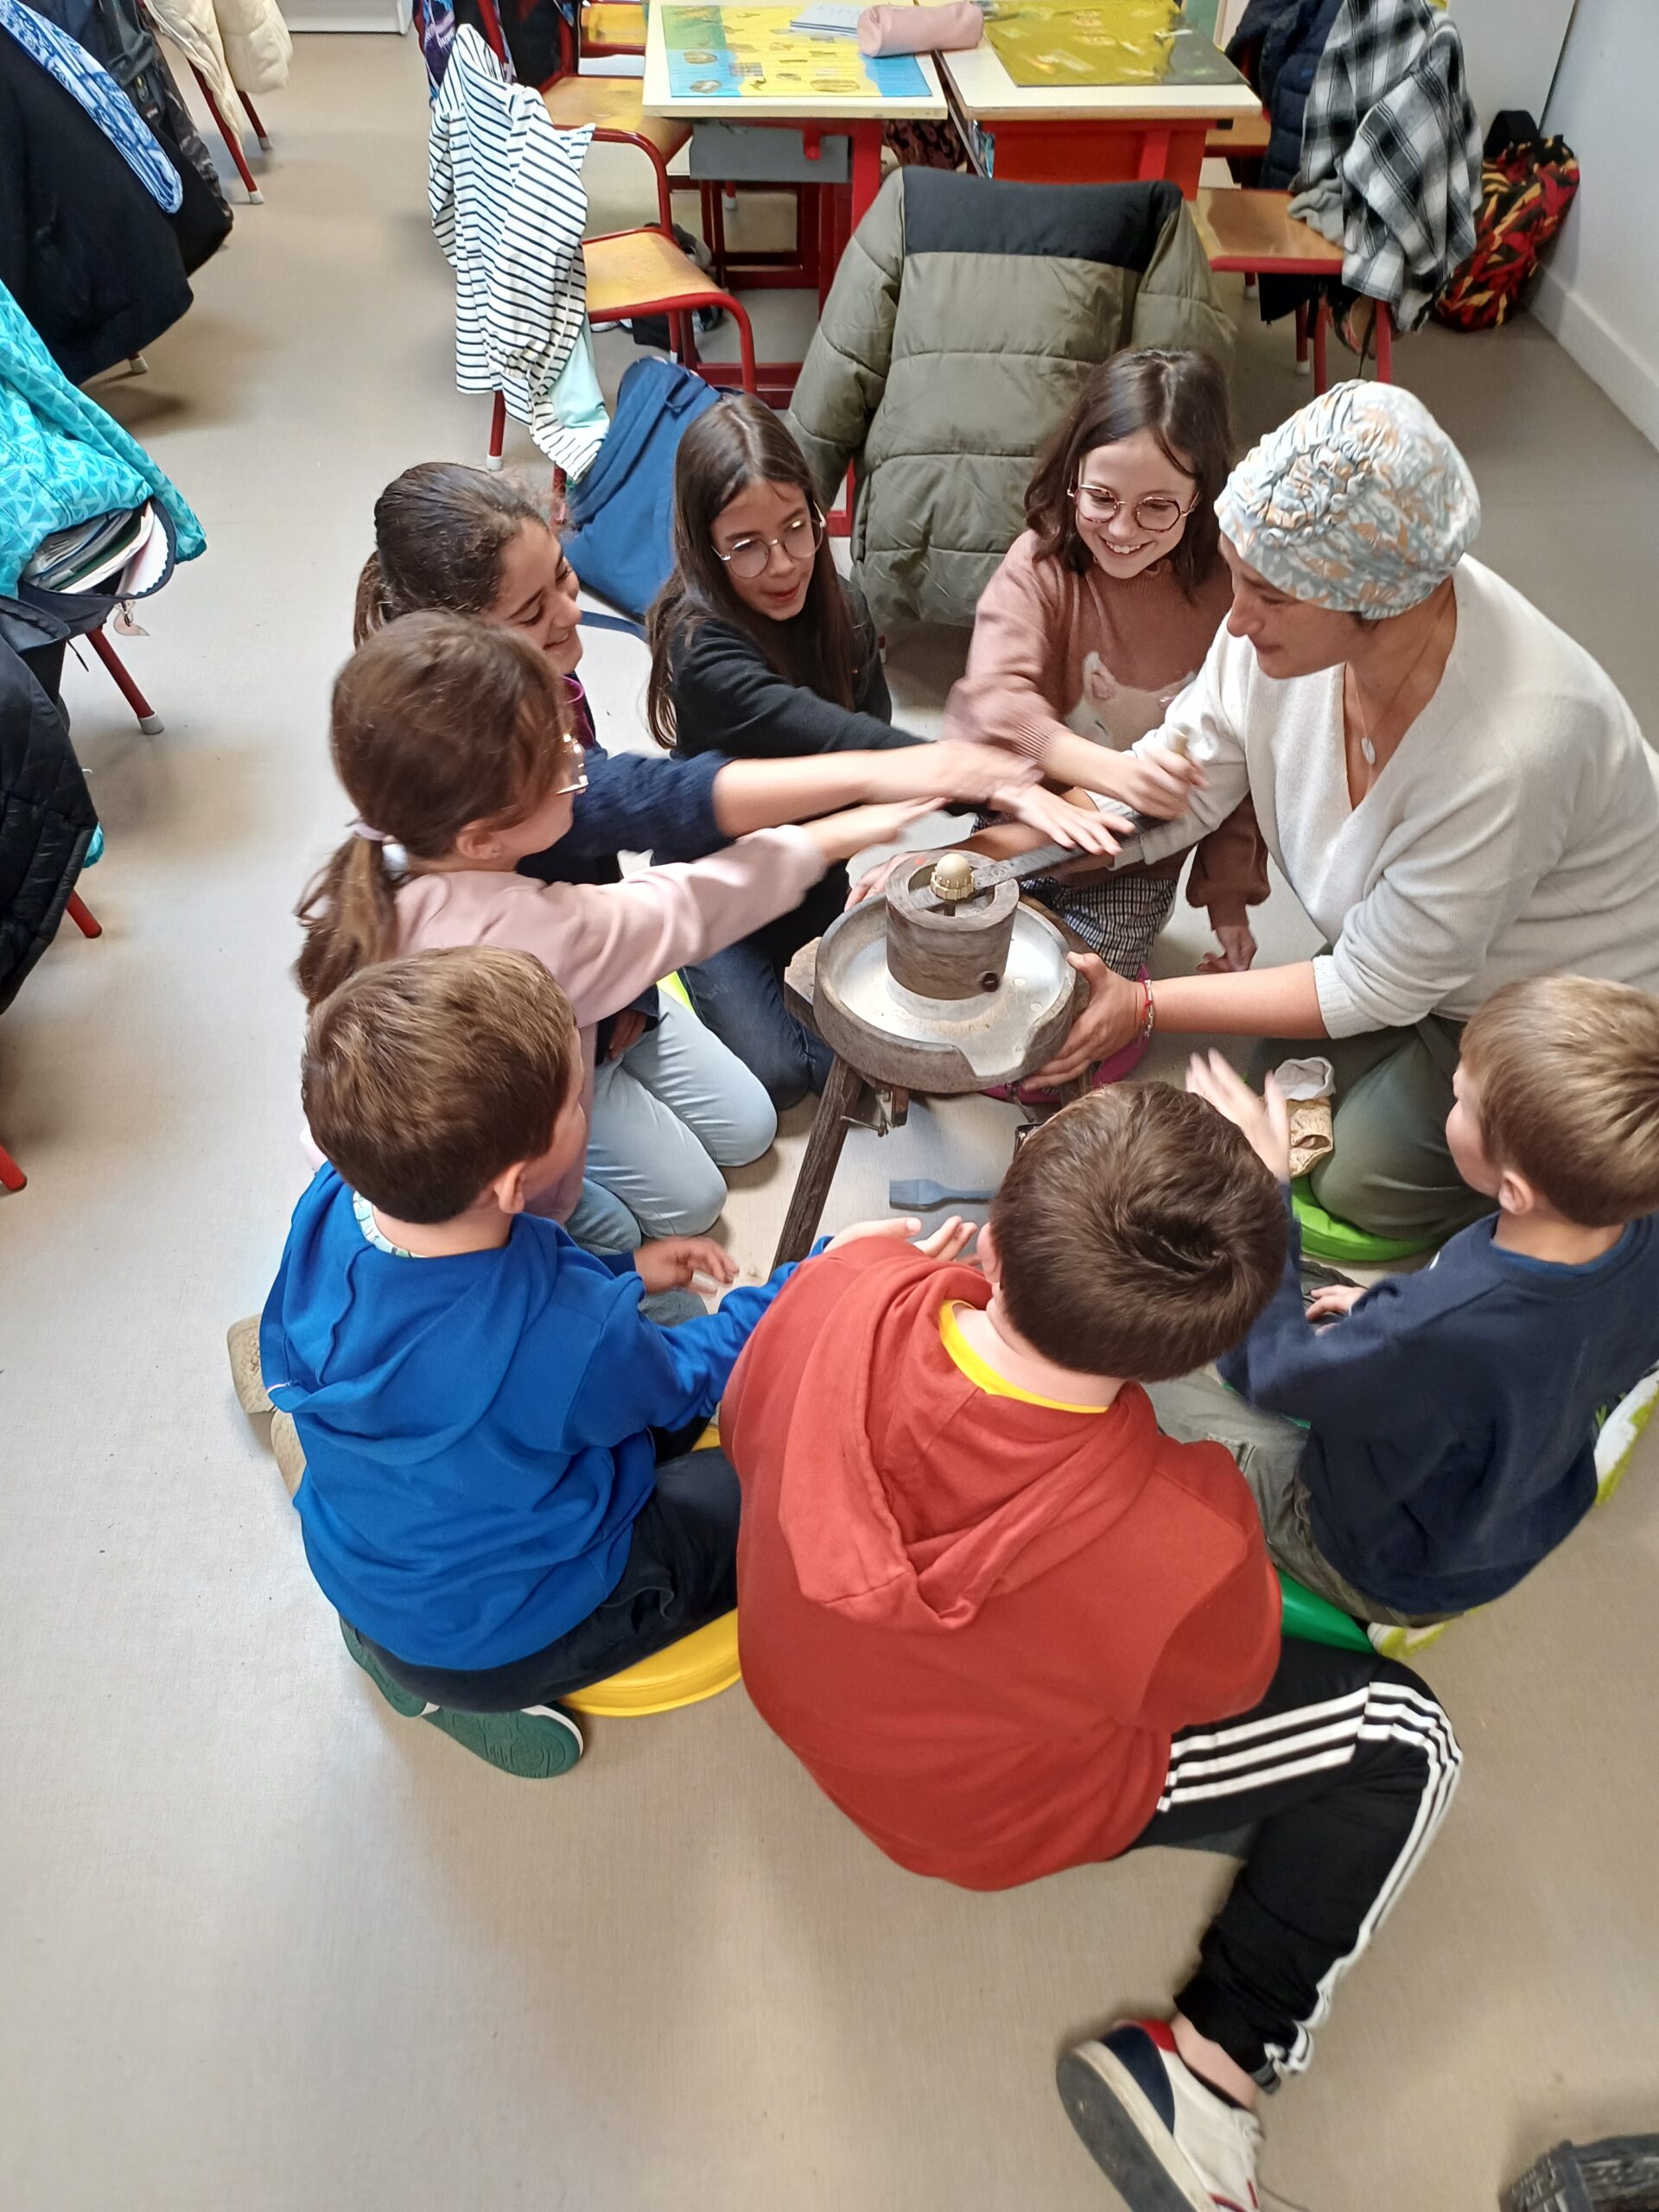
[[498, 431], [83, 917], [233, 139], [148, 720], [260, 131]]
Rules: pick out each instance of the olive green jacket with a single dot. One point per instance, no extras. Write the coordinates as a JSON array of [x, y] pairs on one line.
[[963, 322]]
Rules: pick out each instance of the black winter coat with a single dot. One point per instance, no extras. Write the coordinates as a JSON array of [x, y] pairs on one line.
[[47, 817], [86, 253]]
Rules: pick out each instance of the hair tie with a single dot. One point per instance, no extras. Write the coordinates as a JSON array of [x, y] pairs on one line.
[[395, 859]]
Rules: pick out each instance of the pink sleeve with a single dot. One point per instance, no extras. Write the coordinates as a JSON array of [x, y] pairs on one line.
[[604, 943], [1003, 698]]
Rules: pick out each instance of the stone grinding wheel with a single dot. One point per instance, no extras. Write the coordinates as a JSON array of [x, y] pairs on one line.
[[958, 1036]]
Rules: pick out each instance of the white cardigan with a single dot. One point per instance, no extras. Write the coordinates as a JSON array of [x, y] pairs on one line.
[[1514, 832]]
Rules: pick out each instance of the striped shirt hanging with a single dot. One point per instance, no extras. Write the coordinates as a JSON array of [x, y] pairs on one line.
[[508, 207]]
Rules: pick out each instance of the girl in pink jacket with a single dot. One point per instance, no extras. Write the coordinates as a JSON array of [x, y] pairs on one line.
[[455, 742]]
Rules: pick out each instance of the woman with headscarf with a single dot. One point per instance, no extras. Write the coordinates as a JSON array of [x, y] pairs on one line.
[[1455, 790]]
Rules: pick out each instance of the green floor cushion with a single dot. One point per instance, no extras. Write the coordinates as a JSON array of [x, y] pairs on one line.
[[1325, 1237]]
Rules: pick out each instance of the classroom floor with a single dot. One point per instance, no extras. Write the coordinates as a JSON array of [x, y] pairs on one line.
[[269, 1949]]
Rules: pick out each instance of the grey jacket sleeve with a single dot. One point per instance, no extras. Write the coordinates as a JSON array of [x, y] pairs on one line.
[[1176, 302], [845, 372]]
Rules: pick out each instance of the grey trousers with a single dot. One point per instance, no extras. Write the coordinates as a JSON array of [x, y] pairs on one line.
[[1391, 1173], [1197, 1409]]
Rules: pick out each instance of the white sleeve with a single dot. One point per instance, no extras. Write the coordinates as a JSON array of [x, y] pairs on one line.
[[1209, 718], [1455, 882]]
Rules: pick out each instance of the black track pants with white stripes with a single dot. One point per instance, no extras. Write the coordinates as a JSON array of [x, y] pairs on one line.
[[1343, 1773]]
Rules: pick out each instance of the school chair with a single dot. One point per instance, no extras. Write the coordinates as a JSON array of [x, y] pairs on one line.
[[148, 720], [233, 137], [12, 1177], [1252, 232], [644, 272]]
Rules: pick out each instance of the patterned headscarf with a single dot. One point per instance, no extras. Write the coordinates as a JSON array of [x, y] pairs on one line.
[[1359, 503]]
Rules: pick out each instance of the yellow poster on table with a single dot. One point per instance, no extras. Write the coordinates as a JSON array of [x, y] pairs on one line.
[[1104, 42], [715, 52]]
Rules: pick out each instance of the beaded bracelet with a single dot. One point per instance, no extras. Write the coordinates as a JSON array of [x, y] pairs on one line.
[[1148, 1013]]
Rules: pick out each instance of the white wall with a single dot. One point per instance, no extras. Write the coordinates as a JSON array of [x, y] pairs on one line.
[[1599, 294]]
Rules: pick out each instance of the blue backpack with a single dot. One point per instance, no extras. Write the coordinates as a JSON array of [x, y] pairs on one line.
[[620, 536]]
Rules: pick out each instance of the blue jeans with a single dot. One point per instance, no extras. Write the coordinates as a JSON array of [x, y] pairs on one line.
[[739, 993], [675, 1109]]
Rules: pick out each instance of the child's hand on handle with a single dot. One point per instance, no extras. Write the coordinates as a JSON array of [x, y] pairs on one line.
[[1062, 823], [1332, 1304], [1159, 782], [1265, 1120], [953, 768], [945, 1242], [1111, 1019], [838, 836], [873, 882], [669, 1262]]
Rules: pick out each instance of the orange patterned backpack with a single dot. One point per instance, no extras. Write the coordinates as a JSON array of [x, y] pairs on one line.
[[1527, 184]]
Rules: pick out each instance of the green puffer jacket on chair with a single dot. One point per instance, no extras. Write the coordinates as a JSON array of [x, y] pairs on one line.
[[962, 321]]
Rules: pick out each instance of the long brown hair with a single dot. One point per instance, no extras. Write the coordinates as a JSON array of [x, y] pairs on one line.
[[727, 449], [1182, 398], [436, 722], [439, 530]]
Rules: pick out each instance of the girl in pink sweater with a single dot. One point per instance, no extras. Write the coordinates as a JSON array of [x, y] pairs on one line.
[[1101, 612], [456, 742]]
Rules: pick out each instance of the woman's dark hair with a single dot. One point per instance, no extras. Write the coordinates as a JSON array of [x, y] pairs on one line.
[[727, 449], [1182, 399], [436, 721], [439, 530]]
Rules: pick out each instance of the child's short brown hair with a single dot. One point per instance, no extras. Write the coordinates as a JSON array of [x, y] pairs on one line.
[[1566, 1070], [425, 1078], [1138, 1235]]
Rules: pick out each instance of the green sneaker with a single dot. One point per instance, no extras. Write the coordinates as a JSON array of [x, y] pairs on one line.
[[536, 1743], [1619, 1431]]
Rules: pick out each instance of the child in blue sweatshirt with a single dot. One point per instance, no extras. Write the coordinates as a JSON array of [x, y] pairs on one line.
[[495, 1497], [1418, 1447]]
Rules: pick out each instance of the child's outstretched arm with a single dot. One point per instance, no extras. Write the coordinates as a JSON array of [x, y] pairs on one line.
[[683, 809], [606, 942], [641, 1376]]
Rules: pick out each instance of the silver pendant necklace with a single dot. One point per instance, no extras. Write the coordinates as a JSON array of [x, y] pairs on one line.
[[1367, 749]]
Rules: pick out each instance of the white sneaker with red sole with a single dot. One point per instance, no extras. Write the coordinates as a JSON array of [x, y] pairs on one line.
[[1165, 2138]]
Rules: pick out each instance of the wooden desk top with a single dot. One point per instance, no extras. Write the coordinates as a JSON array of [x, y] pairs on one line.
[[803, 104]]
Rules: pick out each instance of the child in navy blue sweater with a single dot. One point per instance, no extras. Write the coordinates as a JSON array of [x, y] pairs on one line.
[[1418, 1447]]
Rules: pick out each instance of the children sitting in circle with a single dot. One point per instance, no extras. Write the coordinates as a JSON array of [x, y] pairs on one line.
[[672, 1107], [1007, 1559]]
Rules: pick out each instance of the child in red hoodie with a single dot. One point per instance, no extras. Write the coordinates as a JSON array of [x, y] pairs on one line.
[[1009, 1627]]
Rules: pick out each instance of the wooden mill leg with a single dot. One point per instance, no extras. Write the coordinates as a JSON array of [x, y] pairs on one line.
[[824, 1145]]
